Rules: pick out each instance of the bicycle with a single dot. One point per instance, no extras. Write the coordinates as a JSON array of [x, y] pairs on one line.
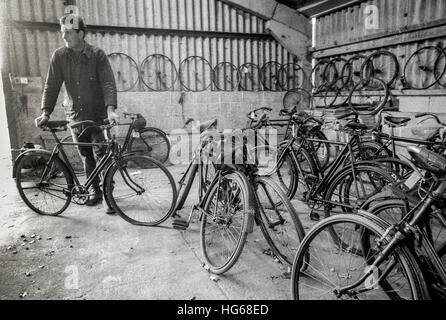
[[150, 141], [382, 260], [231, 202], [47, 183]]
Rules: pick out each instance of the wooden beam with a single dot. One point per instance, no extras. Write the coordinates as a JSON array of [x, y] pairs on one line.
[[141, 31], [432, 30]]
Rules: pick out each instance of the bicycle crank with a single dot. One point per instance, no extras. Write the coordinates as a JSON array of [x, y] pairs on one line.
[[80, 195]]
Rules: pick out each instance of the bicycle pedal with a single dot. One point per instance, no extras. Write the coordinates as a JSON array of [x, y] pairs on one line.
[[180, 224], [314, 216]]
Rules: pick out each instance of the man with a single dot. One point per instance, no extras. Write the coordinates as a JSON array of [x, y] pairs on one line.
[[90, 92]]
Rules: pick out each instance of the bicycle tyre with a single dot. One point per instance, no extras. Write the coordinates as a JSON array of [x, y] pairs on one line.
[[411, 70], [343, 179], [324, 159], [288, 248], [302, 266], [368, 73], [160, 150], [29, 170], [243, 200], [144, 168]]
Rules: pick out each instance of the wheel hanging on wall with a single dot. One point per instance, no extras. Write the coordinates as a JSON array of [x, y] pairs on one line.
[[297, 99], [195, 73], [424, 68], [269, 76], [372, 93], [291, 76], [226, 76], [351, 72], [333, 73], [158, 73], [440, 67], [125, 70], [381, 65], [249, 77], [317, 74]]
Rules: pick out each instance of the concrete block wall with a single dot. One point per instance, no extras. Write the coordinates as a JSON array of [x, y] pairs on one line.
[[162, 110]]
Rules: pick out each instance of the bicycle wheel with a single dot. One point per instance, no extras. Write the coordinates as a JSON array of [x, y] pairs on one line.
[[317, 74], [250, 77], [348, 191], [291, 76], [226, 76], [382, 65], [158, 73], [226, 222], [321, 267], [321, 150], [425, 67], [141, 190], [44, 186], [394, 209], [351, 71], [333, 73], [360, 95], [306, 167], [278, 219], [269, 76], [125, 70], [297, 100], [195, 74], [152, 142]]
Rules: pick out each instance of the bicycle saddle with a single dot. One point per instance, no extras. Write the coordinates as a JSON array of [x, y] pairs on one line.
[[428, 160], [356, 126], [396, 121], [56, 125], [75, 125], [208, 125]]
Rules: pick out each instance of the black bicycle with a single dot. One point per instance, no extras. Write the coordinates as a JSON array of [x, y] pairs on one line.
[[139, 188]]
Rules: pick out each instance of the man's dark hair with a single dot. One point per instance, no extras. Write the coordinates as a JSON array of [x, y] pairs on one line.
[[76, 22]]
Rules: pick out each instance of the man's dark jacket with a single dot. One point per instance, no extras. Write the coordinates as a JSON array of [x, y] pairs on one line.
[[89, 83]]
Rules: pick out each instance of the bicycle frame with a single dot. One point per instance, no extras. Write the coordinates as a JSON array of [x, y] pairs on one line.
[[333, 168], [59, 150]]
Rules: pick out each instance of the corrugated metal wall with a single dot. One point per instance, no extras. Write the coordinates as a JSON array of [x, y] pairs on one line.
[[348, 26], [30, 49]]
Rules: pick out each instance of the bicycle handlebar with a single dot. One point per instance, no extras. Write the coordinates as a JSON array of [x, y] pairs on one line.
[[249, 115], [423, 114]]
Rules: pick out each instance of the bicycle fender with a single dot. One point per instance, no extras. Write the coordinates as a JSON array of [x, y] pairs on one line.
[[347, 168], [37, 152], [252, 205]]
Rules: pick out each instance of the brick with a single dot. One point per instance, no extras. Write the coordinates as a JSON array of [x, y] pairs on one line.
[[231, 96], [207, 97], [252, 97], [273, 97], [437, 104], [413, 104]]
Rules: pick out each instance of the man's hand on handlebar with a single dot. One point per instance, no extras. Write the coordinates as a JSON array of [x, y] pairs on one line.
[[42, 120], [112, 116]]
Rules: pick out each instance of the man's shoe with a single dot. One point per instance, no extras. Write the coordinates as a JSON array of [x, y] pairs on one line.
[[110, 211], [94, 200]]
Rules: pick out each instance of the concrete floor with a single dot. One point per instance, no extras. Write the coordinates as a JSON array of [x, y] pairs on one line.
[[86, 254]]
